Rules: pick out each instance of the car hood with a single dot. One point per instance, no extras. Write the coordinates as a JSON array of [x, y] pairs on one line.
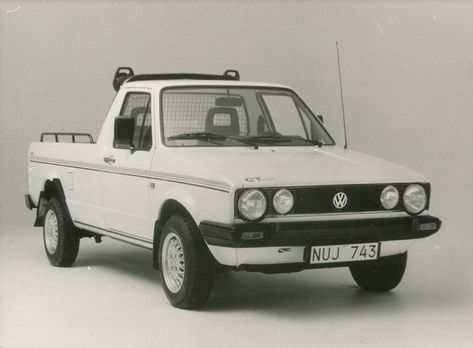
[[285, 166]]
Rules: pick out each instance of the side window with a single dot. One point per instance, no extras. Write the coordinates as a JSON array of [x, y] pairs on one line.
[[137, 108]]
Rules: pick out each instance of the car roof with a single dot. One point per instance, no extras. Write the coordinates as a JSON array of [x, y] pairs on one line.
[[160, 84]]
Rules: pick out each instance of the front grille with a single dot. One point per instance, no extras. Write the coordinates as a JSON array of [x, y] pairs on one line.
[[319, 199]]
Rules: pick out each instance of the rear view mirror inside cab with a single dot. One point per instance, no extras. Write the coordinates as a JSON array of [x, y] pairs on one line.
[[228, 101], [123, 133]]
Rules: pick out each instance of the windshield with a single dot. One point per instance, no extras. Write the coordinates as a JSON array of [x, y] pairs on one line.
[[238, 116]]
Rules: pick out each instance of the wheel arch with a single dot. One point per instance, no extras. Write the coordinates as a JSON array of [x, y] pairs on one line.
[[168, 209], [52, 188]]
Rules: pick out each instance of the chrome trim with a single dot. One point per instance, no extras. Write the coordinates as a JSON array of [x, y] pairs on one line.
[[138, 241], [340, 200], [334, 216]]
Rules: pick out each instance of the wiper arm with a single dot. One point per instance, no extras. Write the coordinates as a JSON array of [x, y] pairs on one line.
[[313, 142]]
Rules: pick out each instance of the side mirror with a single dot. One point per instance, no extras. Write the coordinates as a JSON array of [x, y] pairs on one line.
[[320, 118], [124, 129]]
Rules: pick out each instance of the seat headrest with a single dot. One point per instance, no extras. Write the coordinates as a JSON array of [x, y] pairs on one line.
[[223, 121], [136, 111]]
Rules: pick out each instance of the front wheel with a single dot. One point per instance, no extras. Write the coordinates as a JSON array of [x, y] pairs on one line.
[[383, 275], [185, 265], [61, 241]]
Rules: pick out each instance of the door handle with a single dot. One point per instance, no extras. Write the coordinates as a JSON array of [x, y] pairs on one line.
[[109, 160]]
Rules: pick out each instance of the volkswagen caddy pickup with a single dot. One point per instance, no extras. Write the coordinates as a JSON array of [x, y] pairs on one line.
[[213, 174]]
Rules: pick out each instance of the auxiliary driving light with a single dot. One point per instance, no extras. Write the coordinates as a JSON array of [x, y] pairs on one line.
[[389, 197], [252, 204], [428, 226], [283, 201], [252, 235], [414, 198]]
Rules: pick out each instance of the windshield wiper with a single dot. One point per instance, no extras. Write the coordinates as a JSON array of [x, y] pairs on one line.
[[269, 138], [279, 138], [204, 136], [272, 137], [198, 135]]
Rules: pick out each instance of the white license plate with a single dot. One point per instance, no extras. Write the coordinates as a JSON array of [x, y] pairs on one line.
[[344, 253]]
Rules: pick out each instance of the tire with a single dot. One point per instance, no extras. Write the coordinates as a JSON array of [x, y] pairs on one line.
[[382, 276], [61, 241], [185, 264]]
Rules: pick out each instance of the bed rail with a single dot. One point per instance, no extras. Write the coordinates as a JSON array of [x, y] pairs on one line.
[[73, 137]]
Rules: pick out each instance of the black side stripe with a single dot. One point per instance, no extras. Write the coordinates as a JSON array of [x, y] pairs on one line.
[[120, 233], [135, 175]]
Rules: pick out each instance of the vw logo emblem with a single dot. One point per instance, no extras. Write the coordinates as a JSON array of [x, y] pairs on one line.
[[340, 200]]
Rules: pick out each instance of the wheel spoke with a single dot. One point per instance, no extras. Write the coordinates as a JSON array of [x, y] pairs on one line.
[[51, 231], [173, 262]]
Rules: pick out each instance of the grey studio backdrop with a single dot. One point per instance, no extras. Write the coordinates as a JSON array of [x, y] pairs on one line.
[[408, 82]]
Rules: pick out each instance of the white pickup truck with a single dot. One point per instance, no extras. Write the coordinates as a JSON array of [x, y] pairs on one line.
[[213, 174]]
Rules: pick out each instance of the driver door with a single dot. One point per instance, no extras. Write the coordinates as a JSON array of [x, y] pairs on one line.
[[125, 182]]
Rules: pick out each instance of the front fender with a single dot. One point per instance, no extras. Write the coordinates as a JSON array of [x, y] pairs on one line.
[[201, 203]]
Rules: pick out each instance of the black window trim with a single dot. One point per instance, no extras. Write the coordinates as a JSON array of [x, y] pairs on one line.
[[148, 106], [298, 100]]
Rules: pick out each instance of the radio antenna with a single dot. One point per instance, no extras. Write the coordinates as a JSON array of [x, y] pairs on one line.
[[341, 96]]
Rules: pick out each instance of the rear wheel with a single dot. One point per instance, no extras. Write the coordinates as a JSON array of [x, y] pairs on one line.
[[383, 275], [185, 263], [61, 241]]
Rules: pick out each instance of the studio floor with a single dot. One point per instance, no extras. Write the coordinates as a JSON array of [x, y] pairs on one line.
[[112, 297]]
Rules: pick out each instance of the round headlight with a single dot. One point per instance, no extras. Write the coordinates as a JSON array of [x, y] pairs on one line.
[[252, 204], [389, 197], [283, 201], [415, 199]]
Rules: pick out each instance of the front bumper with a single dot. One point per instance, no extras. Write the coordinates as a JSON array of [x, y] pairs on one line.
[[287, 243]]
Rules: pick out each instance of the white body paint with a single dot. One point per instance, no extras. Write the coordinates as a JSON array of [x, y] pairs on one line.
[[124, 199]]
